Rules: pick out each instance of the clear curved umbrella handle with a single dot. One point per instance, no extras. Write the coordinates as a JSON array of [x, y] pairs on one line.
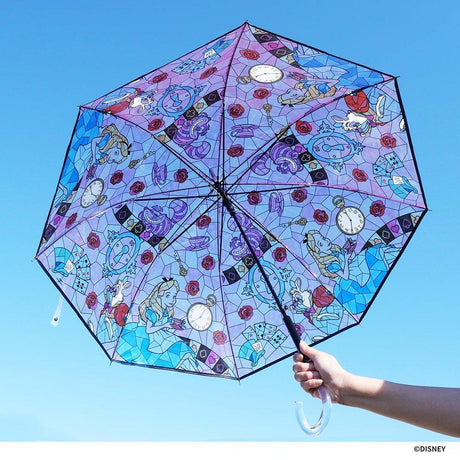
[[323, 419]]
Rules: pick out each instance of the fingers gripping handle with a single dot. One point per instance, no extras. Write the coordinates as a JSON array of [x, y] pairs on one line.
[[323, 393], [323, 419]]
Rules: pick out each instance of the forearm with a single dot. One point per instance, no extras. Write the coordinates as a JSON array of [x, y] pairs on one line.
[[436, 409]]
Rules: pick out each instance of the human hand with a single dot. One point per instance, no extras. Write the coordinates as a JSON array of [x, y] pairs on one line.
[[323, 369]]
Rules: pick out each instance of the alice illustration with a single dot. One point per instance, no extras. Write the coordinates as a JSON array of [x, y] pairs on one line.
[[152, 341], [357, 276], [110, 147], [89, 147]]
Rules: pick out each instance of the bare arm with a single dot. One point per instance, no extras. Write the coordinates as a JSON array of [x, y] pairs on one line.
[[436, 409]]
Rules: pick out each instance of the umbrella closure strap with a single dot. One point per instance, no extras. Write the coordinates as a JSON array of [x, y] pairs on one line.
[[287, 320]]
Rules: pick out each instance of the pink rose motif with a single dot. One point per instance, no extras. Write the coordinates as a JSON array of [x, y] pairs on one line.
[[320, 216], [203, 221], [155, 124], [303, 127], [299, 195], [235, 151], [193, 287], [147, 257], [250, 54], [71, 220], [388, 141], [208, 72], [359, 175], [246, 312], [235, 110], [136, 188], [91, 300], [93, 240], [181, 175], [208, 263], [377, 208], [219, 337], [159, 78], [254, 198], [116, 178], [279, 254], [261, 93]]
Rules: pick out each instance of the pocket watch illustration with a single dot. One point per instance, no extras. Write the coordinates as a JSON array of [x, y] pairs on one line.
[[262, 73], [199, 316], [333, 148], [350, 220], [121, 253], [176, 100], [93, 194]]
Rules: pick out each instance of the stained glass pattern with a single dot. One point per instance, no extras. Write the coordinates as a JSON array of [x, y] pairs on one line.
[[251, 178]]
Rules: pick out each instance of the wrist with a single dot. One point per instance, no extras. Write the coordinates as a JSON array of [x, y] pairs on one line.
[[357, 391]]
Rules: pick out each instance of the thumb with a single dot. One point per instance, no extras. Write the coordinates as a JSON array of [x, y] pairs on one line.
[[310, 352]]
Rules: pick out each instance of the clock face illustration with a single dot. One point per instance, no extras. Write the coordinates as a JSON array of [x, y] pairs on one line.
[[92, 193], [121, 254], [333, 148], [199, 316], [350, 220], [176, 100], [264, 73]]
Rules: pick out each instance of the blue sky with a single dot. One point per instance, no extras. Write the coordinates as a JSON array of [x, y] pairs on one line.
[[57, 384]]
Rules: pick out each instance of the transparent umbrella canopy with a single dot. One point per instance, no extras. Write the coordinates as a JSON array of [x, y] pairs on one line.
[[215, 211]]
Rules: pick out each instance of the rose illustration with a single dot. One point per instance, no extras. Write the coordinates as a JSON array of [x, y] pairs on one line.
[[235, 151], [299, 195], [254, 198], [136, 188], [235, 110], [246, 312], [303, 127], [250, 54], [193, 287], [159, 78], [219, 337], [147, 257], [388, 141], [181, 175], [359, 175], [120, 314], [155, 123], [279, 254], [320, 216], [93, 240], [377, 208], [71, 220], [261, 93], [208, 72], [203, 221], [116, 178], [321, 297], [208, 263], [91, 300]]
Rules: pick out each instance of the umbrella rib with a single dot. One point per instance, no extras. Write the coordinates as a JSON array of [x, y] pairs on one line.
[[287, 127], [222, 136], [176, 154], [297, 257], [334, 187], [165, 65], [219, 258], [148, 271]]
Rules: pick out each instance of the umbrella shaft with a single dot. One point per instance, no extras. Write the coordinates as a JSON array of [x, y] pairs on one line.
[[287, 320]]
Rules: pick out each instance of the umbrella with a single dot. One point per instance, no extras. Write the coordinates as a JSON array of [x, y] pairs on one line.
[[214, 211]]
